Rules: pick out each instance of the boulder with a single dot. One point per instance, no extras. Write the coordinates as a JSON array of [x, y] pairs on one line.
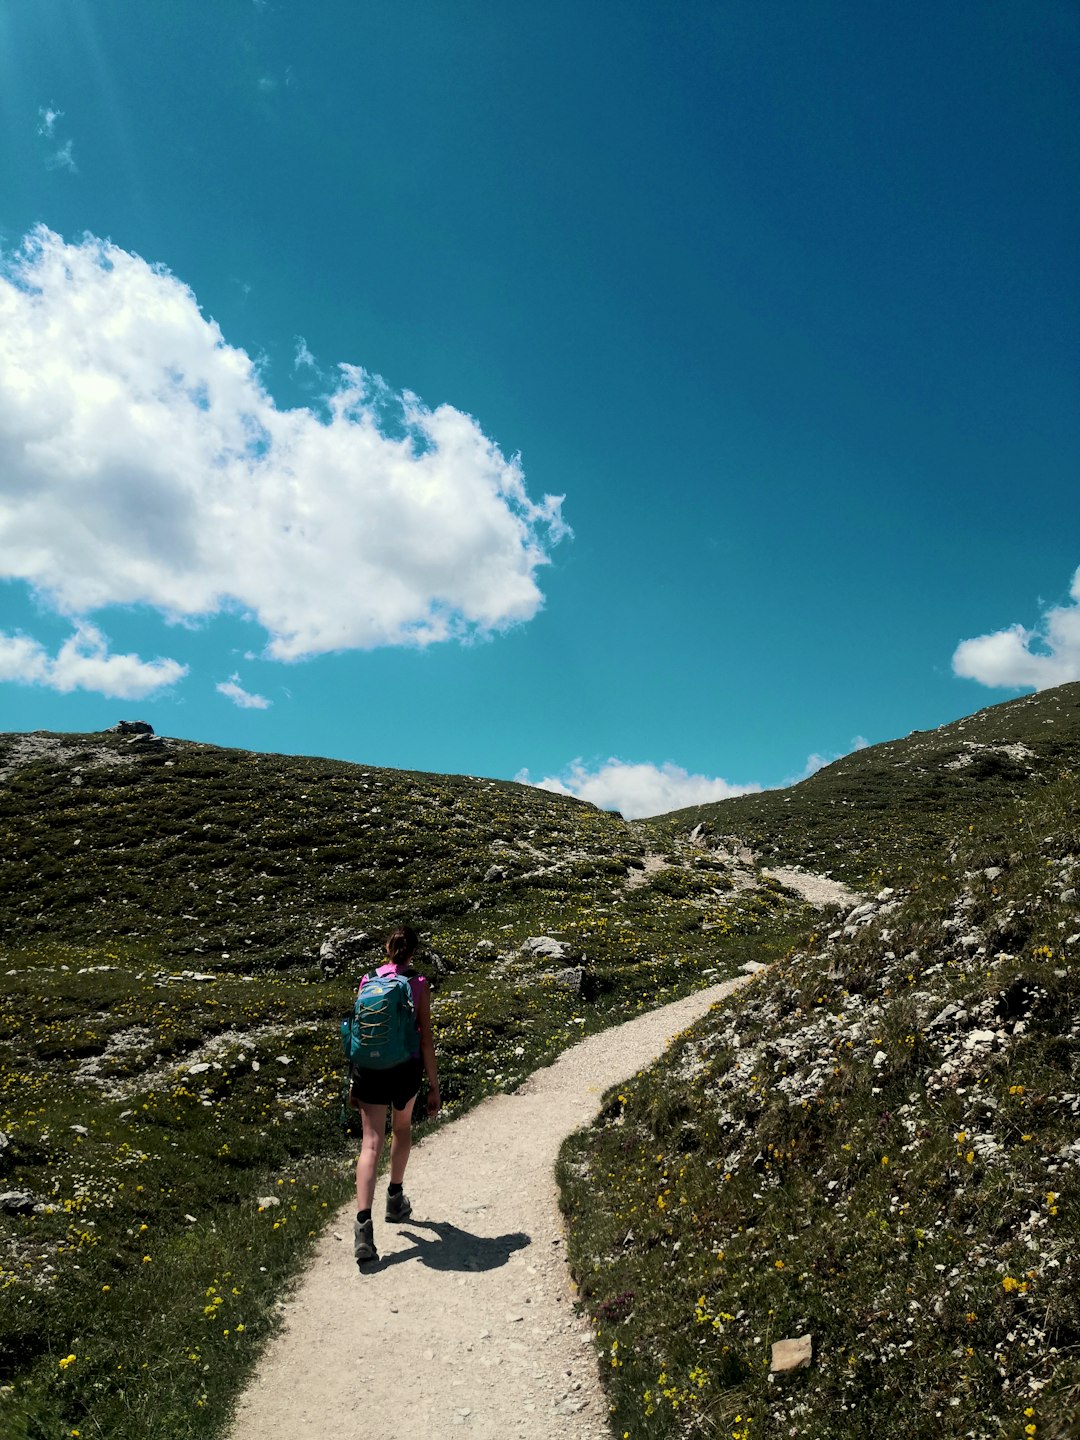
[[344, 948], [792, 1354], [574, 978], [546, 945], [132, 727], [18, 1202]]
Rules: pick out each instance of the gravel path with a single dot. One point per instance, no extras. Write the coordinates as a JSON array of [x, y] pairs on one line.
[[466, 1325], [818, 890]]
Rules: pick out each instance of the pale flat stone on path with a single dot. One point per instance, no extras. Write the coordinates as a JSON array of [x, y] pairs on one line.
[[466, 1326]]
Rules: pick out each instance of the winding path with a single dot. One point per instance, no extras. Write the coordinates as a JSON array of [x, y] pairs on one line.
[[466, 1326]]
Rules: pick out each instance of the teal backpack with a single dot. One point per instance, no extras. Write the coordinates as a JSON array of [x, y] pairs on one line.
[[382, 1029]]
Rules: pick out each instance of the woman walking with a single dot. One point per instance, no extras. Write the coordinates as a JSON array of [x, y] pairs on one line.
[[373, 1090]]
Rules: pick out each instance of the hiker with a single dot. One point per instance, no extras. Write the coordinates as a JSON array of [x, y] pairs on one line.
[[372, 1090]]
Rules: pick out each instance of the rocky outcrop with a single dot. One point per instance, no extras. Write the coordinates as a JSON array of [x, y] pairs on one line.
[[346, 949]]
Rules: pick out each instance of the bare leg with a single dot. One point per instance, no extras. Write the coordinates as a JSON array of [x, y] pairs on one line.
[[374, 1118], [401, 1142]]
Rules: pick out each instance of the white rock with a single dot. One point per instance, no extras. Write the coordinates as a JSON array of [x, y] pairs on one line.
[[979, 1037], [792, 1354]]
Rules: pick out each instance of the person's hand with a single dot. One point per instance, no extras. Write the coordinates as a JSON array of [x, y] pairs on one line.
[[434, 1103]]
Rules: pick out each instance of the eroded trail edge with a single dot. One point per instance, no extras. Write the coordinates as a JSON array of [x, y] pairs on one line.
[[466, 1325]]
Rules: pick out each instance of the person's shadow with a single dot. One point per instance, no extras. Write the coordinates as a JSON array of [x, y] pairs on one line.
[[453, 1249]]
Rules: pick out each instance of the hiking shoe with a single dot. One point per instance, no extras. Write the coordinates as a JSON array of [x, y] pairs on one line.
[[364, 1242], [398, 1207]]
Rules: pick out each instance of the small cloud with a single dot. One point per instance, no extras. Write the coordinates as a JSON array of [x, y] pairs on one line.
[[1019, 659], [637, 790], [267, 84], [23, 660], [83, 662], [234, 691], [302, 355], [47, 118], [62, 159], [816, 761]]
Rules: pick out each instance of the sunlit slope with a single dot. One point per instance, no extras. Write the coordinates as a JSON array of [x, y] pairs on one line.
[[219, 854], [873, 813], [874, 1144]]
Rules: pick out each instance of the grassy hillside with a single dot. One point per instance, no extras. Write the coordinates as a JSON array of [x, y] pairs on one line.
[[869, 817], [232, 859], [170, 1077], [875, 1144], [170, 1091]]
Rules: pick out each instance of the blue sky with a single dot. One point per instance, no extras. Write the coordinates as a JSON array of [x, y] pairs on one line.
[[651, 399]]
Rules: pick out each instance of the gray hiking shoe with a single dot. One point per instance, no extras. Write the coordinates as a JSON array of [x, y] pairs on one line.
[[364, 1242], [398, 1207]]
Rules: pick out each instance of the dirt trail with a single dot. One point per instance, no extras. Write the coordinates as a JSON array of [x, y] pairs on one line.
[[466, 1325], [818, 890]]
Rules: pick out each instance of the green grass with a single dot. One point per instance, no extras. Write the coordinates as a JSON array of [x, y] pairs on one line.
[[122, 872], [147, 1175], [823, 1154]]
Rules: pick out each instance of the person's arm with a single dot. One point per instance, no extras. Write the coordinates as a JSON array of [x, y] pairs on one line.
[[427, 1047]]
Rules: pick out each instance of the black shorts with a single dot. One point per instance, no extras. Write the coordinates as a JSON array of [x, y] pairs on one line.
[[395, 1086]]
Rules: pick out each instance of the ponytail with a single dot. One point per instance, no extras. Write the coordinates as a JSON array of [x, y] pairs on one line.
[[402, 944]]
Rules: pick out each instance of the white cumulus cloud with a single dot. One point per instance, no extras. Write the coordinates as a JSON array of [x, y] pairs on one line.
[[1017, 658], [83, 662], [142, 461], [637, 790], [234, 691]]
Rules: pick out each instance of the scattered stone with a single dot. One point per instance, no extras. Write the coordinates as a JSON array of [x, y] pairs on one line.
[[978, 1038], [199, 1069], [79, 1129], [792, 1354], [570, 1406], [18, 1202], [495, 872], [546, 945], [574, 978], [752, 967], [343, 948]]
